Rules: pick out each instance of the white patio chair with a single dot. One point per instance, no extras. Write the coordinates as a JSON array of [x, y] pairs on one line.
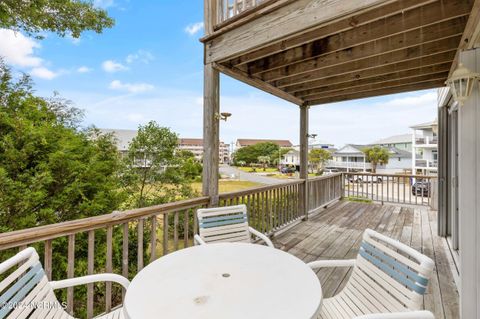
[[388, 281], [25, 291], [226, 224]]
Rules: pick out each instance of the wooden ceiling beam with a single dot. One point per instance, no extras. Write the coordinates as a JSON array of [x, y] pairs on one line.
[[412, 75], [415, 64], [325, 30], [366, 87], [423, 50], [420, 17], [241, 76], [433, 33], [384, 91]]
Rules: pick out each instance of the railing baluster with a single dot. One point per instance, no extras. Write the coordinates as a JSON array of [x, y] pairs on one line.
[[153, 239], [175, 231], [165, 234], [185, 228], [70, 271], [48, 259], [90, 271], [140, 245], [125, 254], [109, 268]]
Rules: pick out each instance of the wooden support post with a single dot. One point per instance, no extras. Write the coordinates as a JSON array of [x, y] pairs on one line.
[[211, 110], [304, 159]]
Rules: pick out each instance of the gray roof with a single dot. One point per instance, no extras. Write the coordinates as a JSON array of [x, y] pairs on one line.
[[424, 125], [123, 137], [395, 139]]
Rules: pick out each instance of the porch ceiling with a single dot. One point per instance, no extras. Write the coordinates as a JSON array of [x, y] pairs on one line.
[[386, 48]]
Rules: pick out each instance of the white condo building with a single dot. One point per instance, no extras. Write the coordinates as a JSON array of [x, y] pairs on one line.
[[425, 149]]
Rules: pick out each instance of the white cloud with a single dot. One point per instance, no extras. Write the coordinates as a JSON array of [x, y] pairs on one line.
[[113, 66], [43, 73], [18, 50], [84, 69], [141, 56], [131, 87], [194, 28]]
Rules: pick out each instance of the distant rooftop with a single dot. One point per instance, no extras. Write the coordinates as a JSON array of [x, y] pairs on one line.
[[395, 139], [124, 137], [424, 125], [357, 150], [247, 142]]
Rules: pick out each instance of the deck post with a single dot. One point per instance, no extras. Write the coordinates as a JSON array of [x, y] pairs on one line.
[[304, 159], [211, 110]]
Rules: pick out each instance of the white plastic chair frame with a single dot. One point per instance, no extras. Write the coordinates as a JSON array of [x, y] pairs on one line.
[[26, 291], [226, 224], [386, 283]]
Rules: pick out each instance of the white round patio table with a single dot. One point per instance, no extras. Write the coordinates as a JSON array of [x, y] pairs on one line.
[[225, 281]]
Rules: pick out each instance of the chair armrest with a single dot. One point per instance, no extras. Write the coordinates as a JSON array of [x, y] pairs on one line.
[[199, 240], [332, 263], [90, 279], [400, 315], [261, 236]]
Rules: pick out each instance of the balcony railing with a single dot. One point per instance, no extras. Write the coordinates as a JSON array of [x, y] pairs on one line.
[[391, 188], [131, 239], [228, 9], [124, 242], [425, 163], [427, 140]]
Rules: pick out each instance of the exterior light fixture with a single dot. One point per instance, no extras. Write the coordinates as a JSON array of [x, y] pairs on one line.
[[461, 83], [312, 135], [223, 116]]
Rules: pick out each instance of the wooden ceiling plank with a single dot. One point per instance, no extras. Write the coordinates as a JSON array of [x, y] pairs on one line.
[[386, 78], [430, 61], [380, 92], [432, 33], [370, 62], [322, 31], [239, 75], [432, 13], [377, 86], [289, 20]]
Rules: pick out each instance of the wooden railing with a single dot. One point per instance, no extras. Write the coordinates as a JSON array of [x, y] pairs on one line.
[[324, 190], [392, 188], [270, 208], [228, 9], [124, 242]]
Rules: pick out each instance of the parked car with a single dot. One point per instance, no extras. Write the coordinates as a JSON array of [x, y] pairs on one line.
[[286, 170], [421, 188], [329, 171], [364, 179]]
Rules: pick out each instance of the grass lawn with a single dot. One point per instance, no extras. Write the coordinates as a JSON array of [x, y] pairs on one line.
[[229, 186], [258, 169]]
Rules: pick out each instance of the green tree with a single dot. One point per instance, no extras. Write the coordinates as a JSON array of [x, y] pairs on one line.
[[376, 156], [154, 174], [318, 157], [276, 157], [49, 170], [251, 153], [66, 17], [264, 160]]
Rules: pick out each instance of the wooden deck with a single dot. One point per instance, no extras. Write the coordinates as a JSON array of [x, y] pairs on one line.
[[336, 234]]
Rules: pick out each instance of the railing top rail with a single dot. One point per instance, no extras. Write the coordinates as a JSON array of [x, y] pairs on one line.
[[48, 232], [260, 189], [390, 175], [318, 178]]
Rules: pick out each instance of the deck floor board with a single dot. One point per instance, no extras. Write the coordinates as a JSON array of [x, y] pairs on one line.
[[336, 233]]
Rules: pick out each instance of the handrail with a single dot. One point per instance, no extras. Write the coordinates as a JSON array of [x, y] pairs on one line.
[[48, 232], [259, 189]]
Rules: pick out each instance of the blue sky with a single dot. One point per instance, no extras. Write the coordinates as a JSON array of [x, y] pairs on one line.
[[149, 67]]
